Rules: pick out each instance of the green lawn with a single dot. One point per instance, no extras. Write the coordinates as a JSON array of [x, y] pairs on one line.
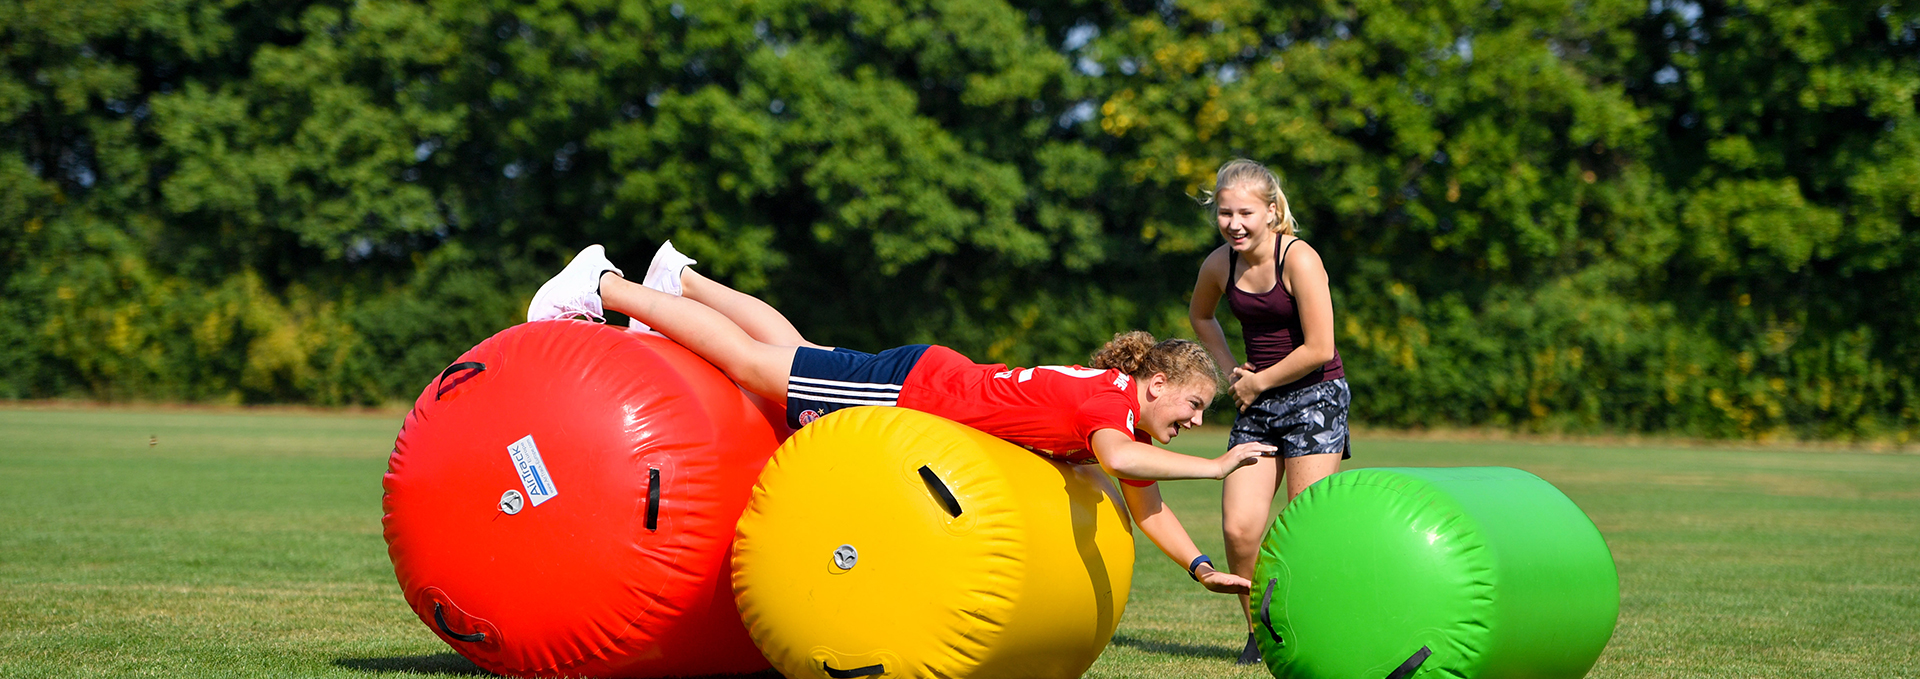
[[241, 544]]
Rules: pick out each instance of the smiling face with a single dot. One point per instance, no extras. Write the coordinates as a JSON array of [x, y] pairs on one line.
[[1167, 408], [1245, 218]]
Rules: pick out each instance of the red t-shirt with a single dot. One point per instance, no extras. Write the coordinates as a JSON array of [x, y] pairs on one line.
[[1051, 410]]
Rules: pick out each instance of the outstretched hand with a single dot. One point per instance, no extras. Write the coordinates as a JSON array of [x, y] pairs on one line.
[[1225, 583], [1243, 455]]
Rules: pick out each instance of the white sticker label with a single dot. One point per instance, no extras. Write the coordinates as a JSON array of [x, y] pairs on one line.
[[533, 471]]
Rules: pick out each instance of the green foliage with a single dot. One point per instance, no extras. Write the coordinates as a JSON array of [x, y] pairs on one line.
[[1542, 214], [1567, 215]]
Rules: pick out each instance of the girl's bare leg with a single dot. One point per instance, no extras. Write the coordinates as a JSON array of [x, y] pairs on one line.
[[760, 367], [1307, 470], [1246, 500], [760, 320]]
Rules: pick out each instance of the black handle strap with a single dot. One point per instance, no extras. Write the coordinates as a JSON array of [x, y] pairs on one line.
[[1406, 669], [475, 366], [1266, 617], [1413, 663], [653, 498], [868, 671], [440, 618], [947, 500]]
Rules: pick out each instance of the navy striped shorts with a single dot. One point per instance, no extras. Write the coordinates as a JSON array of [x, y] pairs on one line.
[[823, 381]]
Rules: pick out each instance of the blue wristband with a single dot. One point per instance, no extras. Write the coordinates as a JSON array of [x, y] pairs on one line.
[[1195, 566]]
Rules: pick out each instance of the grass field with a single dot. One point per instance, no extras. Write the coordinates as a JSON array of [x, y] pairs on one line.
[[199, 544]]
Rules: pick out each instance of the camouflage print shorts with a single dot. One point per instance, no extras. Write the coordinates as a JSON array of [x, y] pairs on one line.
[[1311, 421]]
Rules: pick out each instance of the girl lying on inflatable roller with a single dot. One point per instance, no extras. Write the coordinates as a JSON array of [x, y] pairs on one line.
[[1137, 389]]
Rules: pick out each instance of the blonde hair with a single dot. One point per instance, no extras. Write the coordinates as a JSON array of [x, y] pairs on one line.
[[1136, 353], [1241, 173]]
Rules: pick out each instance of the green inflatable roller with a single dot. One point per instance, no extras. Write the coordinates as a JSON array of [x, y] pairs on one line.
[[1477, 572]]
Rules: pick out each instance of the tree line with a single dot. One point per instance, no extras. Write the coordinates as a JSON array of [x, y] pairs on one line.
[[1566, 215]]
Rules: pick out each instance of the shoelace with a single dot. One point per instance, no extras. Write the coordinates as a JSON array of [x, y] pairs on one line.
[[577, 308]]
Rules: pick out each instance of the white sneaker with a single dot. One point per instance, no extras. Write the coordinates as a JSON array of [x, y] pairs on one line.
[[663, 275], [575, 291]]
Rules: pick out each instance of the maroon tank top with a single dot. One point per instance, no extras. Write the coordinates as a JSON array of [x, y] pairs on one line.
[[1270, 326]]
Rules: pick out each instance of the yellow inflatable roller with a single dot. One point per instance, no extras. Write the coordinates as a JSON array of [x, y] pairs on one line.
[[886, 542]]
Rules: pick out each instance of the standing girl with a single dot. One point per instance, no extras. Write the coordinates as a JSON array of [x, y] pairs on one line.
[[1291, 392]]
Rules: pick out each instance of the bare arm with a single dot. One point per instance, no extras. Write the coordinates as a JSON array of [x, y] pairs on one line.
[[1306, 277], [1126, 458], [1156, 519], [1207, 289]]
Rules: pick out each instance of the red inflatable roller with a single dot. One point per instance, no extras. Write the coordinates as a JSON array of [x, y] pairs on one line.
[[562, 500]]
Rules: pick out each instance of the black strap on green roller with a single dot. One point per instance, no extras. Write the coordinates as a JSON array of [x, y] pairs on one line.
[[940, 490], [440, 618], [475, 366], [1413, 663], [868, 671], [1266, 618], [653, 498]]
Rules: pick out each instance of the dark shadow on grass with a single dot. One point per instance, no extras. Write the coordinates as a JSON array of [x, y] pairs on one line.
[[438, 663], [1179, 649], [452, 663]]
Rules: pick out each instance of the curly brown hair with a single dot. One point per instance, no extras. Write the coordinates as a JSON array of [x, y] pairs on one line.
[[1136, 353]]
